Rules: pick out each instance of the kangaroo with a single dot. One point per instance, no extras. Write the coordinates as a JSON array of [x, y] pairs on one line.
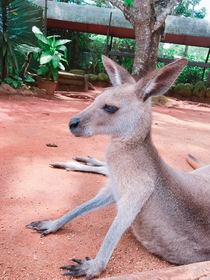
[[168, 210]]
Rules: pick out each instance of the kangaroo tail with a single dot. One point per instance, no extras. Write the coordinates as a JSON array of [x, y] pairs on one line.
[[194, 162]]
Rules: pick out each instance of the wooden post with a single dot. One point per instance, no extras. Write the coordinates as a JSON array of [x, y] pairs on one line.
[[45, 18], [86, 77], [204, 69], [107, 35]]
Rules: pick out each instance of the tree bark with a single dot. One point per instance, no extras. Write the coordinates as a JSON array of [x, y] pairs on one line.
[[146, 50], [143, 18]]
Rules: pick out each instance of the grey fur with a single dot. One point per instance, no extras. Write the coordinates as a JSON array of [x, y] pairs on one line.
[[168, 210]]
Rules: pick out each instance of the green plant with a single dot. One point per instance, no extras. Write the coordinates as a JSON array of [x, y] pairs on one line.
[[103, 77], [97, 47], [129, 2], [199, 89], [187, 8], [16, 81], [183, 90], [190, 74], [16, 19], [50, 54]]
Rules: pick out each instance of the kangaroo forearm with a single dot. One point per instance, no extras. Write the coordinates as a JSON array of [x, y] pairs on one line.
[[97, 202]]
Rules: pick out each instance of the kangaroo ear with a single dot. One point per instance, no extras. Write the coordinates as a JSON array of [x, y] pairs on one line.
[[117, 74], [159, 81]]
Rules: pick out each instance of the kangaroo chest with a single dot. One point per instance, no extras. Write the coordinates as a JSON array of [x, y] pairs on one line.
[[127, 163]]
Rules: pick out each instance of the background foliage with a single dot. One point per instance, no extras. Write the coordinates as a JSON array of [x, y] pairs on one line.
[[86, 49], [16, 20], [84, 52]]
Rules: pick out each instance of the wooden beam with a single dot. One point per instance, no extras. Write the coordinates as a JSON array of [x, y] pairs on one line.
[[160, 59]]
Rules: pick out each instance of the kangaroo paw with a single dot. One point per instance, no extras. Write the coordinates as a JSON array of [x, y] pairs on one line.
[[89, 268], [90, 161], [45, 227]]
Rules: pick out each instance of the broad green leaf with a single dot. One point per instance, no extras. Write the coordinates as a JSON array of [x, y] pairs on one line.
[[24, 49], [43, 46], [129, 2], [64, 49], [55, 61], [29, 79], [64, 60], [15, 84], [62, 42], [45, 58], [52, 43], [36, 30], [42, 39], [61, 66], [53, 36]]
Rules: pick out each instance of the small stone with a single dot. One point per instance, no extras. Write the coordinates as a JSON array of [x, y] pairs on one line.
[[26, 93], [7, 89], [40, 93]]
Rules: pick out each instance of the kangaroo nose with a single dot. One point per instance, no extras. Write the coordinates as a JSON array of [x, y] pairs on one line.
[[74, 123]]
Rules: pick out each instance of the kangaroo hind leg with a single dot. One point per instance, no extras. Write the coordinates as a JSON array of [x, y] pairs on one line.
[[88, 164]]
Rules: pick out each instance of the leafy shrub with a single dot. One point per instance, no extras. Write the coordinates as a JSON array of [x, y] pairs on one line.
[[182, 90], [93, 77], [103, 77], [207, 95], [190, 74], [199, 89]]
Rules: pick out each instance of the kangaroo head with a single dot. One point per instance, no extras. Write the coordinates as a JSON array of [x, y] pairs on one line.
[[124, 110]]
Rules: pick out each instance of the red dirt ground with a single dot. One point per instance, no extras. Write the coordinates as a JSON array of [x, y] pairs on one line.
[[31, 190]]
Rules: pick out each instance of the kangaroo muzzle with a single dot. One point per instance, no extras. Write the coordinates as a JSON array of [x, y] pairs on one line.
[[73, 125]]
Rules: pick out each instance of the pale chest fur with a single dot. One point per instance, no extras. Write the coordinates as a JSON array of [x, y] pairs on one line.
[[124, 170]]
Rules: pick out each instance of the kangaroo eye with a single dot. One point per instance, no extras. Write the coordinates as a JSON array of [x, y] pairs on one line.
[[110, 108]]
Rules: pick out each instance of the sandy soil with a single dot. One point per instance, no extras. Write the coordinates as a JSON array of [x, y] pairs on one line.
[[31, 190]]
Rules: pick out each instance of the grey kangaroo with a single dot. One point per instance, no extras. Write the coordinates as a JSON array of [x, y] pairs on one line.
[[168, 210]]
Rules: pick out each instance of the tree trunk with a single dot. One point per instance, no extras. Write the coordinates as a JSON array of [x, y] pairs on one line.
[[4, 73], [148, 20], [143, 19], [146, 50]]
